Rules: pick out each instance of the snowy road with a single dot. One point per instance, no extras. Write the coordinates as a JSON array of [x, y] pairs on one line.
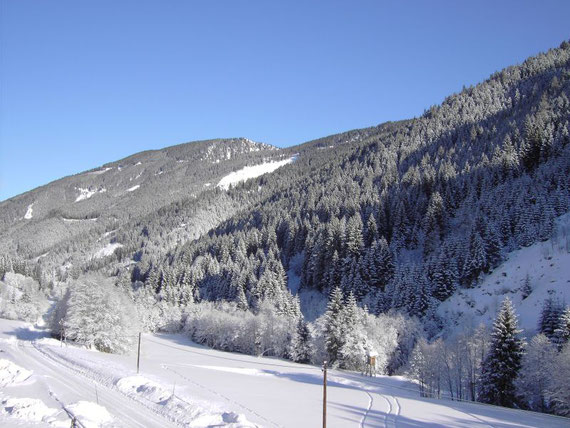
[[65, 386], [182, 383]]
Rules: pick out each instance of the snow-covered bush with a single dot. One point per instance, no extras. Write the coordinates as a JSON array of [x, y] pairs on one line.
[[558, 390], [346, 334], [21, 298], [538, 364], [97, 314], [224, 326]]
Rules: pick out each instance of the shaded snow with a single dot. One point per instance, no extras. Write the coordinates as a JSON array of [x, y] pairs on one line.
[[546, 263], [132, 189], [107, 250], [30, 212], [251, 172]]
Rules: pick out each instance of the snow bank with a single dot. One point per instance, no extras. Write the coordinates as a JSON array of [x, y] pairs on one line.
[[30, 212], [143, 387], [107, 250], [11, 373], [251, 172], [90, 414], [27, 409], [180, 409]]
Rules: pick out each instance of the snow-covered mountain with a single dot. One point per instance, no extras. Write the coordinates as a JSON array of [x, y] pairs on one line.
[[412, 231]]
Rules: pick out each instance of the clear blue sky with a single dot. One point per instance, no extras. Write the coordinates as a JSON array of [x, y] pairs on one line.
[[89, 82]]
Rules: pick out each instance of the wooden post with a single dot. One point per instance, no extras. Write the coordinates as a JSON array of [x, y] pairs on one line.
[[139, 354], [60, 333], [324, 394]]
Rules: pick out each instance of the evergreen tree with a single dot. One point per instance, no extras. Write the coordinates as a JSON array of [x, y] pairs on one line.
[[300, 348], [352, 353], [562, 331], [334, 325], [526, 288], [549, 317], [503, 361]]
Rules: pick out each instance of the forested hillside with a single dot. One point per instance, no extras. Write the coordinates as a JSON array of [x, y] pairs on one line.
[[405, 214], [387, 222]]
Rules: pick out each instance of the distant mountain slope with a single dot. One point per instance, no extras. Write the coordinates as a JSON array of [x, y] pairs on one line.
[[104, 199]]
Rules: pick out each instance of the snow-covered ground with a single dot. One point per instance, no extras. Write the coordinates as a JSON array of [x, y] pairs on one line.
[[184, 384], [107, 250], [251, 172], [547, 265]]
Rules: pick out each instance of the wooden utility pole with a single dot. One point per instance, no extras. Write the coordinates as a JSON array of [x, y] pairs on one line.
[[324, 394], [139, 353]]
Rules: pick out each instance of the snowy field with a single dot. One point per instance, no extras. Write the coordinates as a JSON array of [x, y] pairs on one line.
[[184, 384]]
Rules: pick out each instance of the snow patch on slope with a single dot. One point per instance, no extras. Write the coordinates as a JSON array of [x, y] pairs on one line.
[[30, 212], [78, 220], [11, 373], [547, 265], [87, 193], [101, 171], [107, 250], [132, 189], [251, 172]]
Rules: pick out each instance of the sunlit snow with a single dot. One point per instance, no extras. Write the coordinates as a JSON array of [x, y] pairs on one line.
[[101, 171], [29, 212], [87, 193], [251, 172], [185, 384], [107, 250]]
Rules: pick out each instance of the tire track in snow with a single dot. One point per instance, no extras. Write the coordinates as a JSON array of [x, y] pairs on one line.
[[219, 394], [370, 402], [399, 408], [163, 419], [386, 424]]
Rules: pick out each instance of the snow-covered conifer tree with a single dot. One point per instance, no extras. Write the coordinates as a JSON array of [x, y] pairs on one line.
[[549, 317], [334, 325], [503, 361], [562, 331]]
